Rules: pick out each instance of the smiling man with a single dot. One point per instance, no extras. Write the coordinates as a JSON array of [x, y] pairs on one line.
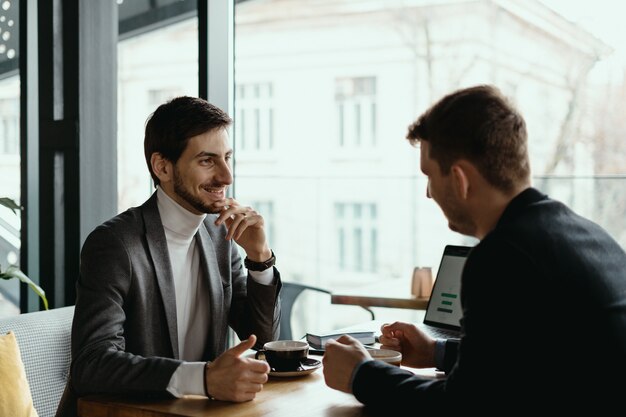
[[161, 283]]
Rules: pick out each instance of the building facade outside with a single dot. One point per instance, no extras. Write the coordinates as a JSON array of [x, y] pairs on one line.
[[324, 93]]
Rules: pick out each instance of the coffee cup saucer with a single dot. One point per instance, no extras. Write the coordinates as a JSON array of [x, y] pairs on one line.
[[308, 367]]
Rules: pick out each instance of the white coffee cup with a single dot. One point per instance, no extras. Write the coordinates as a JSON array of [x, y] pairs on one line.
[[386, 355]]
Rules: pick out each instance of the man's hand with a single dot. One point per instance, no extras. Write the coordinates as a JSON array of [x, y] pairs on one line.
[[246, 227], [234, 378], [417, 348], [340, 359]]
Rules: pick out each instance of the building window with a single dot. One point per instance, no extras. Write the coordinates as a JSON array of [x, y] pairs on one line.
[[160, 96], [254, 124], [357, 236], [355, 99], [266, 209], [157, 61], [9, 126]]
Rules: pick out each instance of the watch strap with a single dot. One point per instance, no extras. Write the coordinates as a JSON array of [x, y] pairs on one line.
[[260, 266]]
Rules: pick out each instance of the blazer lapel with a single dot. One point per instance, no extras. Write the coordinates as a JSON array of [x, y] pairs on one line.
[[157, 244]]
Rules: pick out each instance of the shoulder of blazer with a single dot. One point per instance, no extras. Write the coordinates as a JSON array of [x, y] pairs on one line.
[[132, 222]]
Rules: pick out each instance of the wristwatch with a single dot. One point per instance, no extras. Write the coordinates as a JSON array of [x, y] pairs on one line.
[[260, 266]]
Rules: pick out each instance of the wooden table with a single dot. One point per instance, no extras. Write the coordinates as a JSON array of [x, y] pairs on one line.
[[288, 397], [297, 396], [281, 397], [390, 293]]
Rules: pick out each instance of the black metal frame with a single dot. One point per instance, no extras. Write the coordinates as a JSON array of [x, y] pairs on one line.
[[55, 85]]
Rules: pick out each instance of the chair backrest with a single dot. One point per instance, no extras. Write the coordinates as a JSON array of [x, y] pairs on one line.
[[289, 292], [44, 341]]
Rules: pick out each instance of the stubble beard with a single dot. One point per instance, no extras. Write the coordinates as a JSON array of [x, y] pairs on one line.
[[458, 219], [193, 201]]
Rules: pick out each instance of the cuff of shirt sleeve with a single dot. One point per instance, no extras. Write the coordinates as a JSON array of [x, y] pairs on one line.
[[188, 379], [440, 352], [263, 277]]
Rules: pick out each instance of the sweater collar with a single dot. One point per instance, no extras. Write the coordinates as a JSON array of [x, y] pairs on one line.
[[176, 218]]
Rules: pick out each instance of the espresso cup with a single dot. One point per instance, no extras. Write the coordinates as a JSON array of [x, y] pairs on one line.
[[386, 355], [285, 355]]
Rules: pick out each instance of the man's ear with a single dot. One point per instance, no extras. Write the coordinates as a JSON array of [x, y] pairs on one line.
[[461, 180], [161, 167]]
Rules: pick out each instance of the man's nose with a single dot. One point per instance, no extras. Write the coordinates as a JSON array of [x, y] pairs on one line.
[[225, 175]]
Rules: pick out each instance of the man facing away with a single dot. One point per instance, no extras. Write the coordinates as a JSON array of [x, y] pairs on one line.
[[161, 283], [543, 292]]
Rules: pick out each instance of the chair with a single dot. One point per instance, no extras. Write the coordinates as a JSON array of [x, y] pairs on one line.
[[288, 294], [44, 342]]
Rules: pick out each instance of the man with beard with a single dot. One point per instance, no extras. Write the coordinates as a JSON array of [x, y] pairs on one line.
[[161, 283], [543, 293]]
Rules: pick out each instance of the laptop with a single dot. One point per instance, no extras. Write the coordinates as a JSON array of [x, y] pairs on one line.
[[443, 314]]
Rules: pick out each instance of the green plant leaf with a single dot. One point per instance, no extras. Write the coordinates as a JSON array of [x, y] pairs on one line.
[[14, 272], [10, 204]]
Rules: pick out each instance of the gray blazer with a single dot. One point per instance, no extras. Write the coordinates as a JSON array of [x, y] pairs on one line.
[[124, 333]]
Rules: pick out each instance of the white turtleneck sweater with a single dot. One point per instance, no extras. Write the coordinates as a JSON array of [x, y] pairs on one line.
[[180, 227], [192, 312]]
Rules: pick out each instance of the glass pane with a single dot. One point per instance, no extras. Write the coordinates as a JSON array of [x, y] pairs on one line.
[[9, 187], [10, 224], [348, 77], [157, 60], [9, 37]]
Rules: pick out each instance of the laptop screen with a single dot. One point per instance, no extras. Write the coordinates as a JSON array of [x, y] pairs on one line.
[[444, 306]]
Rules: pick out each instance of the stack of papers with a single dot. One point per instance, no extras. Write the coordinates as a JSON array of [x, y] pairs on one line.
[[318, 341]]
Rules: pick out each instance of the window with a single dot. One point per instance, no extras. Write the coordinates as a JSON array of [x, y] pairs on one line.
[[350, 76], [157, 61], [10, 187], [10, 157], [355, 99], [266, 209], [254, 119], [159, 96], [9, 126], [357, 236]]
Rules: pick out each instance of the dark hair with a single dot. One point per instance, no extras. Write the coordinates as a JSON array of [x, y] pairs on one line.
[[480, 125], [172, 124]]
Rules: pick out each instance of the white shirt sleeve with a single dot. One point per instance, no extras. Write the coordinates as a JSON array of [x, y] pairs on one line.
[[263, 277], [188, 379]]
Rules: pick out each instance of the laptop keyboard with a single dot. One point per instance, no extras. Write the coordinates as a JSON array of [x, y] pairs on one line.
[[438, 333]]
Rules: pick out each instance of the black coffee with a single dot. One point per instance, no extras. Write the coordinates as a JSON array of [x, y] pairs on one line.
[[285, 360]]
